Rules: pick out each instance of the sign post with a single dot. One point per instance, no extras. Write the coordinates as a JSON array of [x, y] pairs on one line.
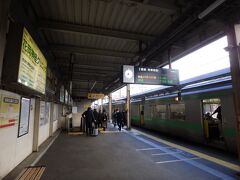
[[128, 108]]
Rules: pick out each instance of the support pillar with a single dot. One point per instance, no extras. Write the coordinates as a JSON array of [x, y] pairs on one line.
[[110, 107], [4, 10], [51, 119], [234, 54], [36, 125], [101, 107], [128, 108]]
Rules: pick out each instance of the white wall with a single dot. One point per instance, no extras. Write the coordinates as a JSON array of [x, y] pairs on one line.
[[13, 149], [55, 117], [76, 119]]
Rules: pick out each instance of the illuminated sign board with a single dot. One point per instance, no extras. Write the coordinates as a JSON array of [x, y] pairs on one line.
[[156, 76], [33, 65], [149, 75], [95, 96]]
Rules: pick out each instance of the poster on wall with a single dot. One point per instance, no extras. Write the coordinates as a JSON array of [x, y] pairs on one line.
[[42, 120], [55, 112], [47, 112], [9, 110], [62, 94], [66, 97], [74, 109], [33, 65], [24, 117]]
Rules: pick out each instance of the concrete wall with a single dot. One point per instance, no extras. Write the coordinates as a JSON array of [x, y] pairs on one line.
[[14, 149]]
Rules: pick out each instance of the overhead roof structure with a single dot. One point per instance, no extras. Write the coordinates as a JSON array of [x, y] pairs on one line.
[[91, 39]]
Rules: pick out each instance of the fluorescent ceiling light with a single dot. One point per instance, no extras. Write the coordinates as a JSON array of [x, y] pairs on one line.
[[210, 8]]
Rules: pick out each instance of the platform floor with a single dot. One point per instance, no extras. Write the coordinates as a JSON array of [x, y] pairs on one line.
[[124, 155]]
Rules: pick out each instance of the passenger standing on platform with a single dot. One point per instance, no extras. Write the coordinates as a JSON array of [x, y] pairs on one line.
[[89, 118], [104, 118], [219, 117], [219, 113], [114, 117], [95, 113], [119, 118], [124, 113], [100, 119]]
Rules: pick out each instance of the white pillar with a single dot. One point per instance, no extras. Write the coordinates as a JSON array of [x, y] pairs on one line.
[[110, 107], [101, 107], [128, 108], [36, 125], [51, 119]]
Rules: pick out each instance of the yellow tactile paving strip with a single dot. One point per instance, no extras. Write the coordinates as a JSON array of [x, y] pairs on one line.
[[196, 153]]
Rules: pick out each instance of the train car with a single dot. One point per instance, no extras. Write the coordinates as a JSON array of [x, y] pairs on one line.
[[188, 115]]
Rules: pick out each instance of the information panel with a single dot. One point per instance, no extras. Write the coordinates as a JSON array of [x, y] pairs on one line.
[[33, 65], [24, 117], [156, 76]]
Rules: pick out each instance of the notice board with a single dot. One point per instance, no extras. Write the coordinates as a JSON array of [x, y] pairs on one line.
[[24, 117]]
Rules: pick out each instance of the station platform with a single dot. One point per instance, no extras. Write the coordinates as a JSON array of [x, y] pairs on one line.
[[127, 155]]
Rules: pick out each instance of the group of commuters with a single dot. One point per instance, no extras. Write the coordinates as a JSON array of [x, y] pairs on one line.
[[119, 118], [94, 119]]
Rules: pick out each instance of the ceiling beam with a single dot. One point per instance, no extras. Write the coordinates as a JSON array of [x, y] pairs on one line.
[[79, 60], [75, 70], [83, 50], [94, 66], [76, 28]]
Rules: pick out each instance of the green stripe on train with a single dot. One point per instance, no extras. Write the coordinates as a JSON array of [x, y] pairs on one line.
[[180, 124], [229, 132]]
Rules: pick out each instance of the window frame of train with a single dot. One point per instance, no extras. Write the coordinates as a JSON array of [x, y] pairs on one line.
[[183, 112], [216, 102], [159, 111]]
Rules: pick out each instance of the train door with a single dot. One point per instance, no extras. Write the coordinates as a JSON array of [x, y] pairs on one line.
[[212, 119], [141, 110]]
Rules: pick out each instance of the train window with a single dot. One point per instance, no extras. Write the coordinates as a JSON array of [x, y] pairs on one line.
[[161, 111], [209, 106], [177, 111]]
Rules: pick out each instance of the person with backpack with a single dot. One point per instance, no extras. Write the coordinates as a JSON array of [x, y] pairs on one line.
[[89, 118]]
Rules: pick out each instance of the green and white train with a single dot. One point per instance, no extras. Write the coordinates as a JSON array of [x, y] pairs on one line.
[[188, 117]]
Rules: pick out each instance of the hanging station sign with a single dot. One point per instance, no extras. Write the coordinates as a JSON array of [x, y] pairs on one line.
[[151, 76], [95, 96], [33, 65]]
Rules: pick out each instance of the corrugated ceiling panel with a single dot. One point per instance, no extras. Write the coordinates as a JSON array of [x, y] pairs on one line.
[[85, 40], [105, 14]]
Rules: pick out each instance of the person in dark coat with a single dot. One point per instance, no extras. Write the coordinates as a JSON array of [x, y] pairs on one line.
[[119, 118], [219, 113], [89, 118], [95, 114], [104, 119]]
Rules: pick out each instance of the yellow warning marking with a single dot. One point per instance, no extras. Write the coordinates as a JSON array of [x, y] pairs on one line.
[[196, 153], [110, 132], [75, 133]]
